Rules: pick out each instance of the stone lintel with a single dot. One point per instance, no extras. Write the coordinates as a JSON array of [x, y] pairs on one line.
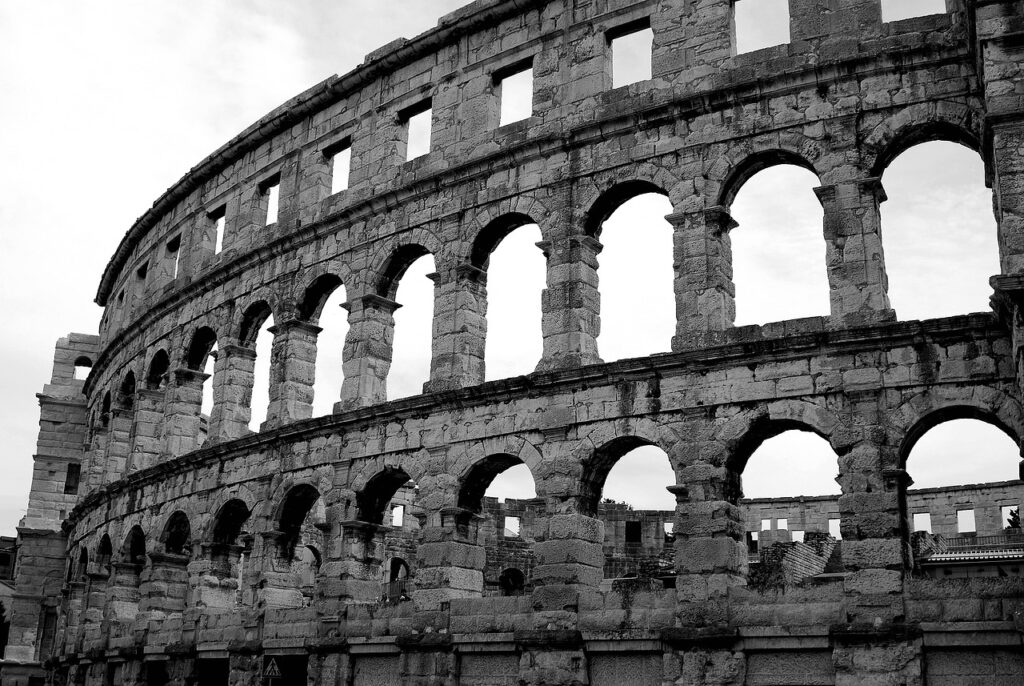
[[295, 324], [379, 302], [425, 643], [885, 632], [184, 375], [241, 351], [705, 637], [554, 639]]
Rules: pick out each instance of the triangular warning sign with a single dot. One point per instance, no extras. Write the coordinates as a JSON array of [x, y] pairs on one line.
[[271, 670]]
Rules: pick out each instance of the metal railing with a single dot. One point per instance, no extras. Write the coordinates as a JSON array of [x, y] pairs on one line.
[[999, 541], [396, 591]]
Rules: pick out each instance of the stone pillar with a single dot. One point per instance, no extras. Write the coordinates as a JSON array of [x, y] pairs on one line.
[[184, 404], [164, 587], [122, 601], [876, 551], [710, 553], [858, 285], [571, 303], [449, 559], [570, 552], [460, 329], [705, 294], [367, 355], [149, 425], [96, 460], [292, 372], [276, 586], [118, 443], [246, 667], [353, 574], [232, 393]]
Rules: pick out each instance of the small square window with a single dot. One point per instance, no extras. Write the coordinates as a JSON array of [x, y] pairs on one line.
[[834, 529], [72, 478], [965, 521], [340, 159], [634, 532], [922, 522], [631, 48], [766, 525], [515, 94], [781, 524], [1010, 513], [894, 10], [669, 528], [760, 24], [797, 536], [142, 272], [417, 121], [511, 527]]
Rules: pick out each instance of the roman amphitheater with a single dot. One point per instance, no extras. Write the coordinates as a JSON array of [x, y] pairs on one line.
[[165, 546]]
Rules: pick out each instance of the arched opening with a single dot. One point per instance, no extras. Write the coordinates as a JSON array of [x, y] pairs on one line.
[[83, 365], [635, 268], [781, 511], [778, 249], [512, 582], [133, 553], [301, 522], [104, 553], [257, 334], [324, 304], [963, 507], [105, 411], [516, 274], [407, 281], [177, 537], [938, 230], [626, 483], [396, 588], [126, 392], [201, 356], [159, 367], [82, 571], [5, 628], [231, 544], [372, 502]]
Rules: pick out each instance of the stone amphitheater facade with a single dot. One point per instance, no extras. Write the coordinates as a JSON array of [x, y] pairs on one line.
[[173, 562]]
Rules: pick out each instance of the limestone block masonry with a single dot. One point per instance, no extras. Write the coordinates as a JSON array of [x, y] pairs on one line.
[[179, 562]]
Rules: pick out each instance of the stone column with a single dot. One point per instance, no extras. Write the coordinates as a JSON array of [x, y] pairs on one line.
[[705, 294], [571, 303], [164, 588], [96, 460], [858, 285], [353, 572], [460, 329], [118, 443], [276, 586], [184, 404], [367, 355], [232, 393], [570, 553], [149, 424], [449, 559], [122, 601], [292, 372], [710, 553]]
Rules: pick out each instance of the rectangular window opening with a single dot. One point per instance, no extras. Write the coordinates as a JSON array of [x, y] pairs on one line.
[[417, 121], [339, 157], [965, 521], [515, 94], [271, 190], [781, 524], [766, 525], [797, 536], [142, 271], [219, 219], [71, 480], [760, 24], [1010, 516], [894, 10], [398, 515], [632, 46], [174, 254], [833, 529], [922, 522], [634, 533], [511, 527], [752, 542]]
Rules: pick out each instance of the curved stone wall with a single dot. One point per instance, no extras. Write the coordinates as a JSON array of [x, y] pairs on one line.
[[180, 547]]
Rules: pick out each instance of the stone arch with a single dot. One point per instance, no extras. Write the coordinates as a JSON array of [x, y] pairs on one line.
[[613, 197], [104, 551], [105, 406], [291, 513], [394, 268], [377, 492], [177, 534], [310, 303], [241, 493], [158, 369], [252, 319], [492, 234], [523, 205], [133, 550], [126, 391], [469, 455], [926, 410], [742, 435], [199, 347], [920, 123], [732, 175]]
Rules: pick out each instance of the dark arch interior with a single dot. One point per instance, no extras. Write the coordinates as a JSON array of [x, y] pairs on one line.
[[134, 551], [512, 581], [178, 535], [379, 491], [475, 484], [83, 361], [596, 469], [126, 394], [158, 368], [105, 410], [400, 261], [399, 569], [297, 505], [200, 348], [316, 295], [83, 563], [612, 199], [252, 321], [105, 551], [230, 520], [754, 164], [493, 234]]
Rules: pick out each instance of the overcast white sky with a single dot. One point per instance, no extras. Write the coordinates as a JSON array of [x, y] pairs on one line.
[[107, 103]]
